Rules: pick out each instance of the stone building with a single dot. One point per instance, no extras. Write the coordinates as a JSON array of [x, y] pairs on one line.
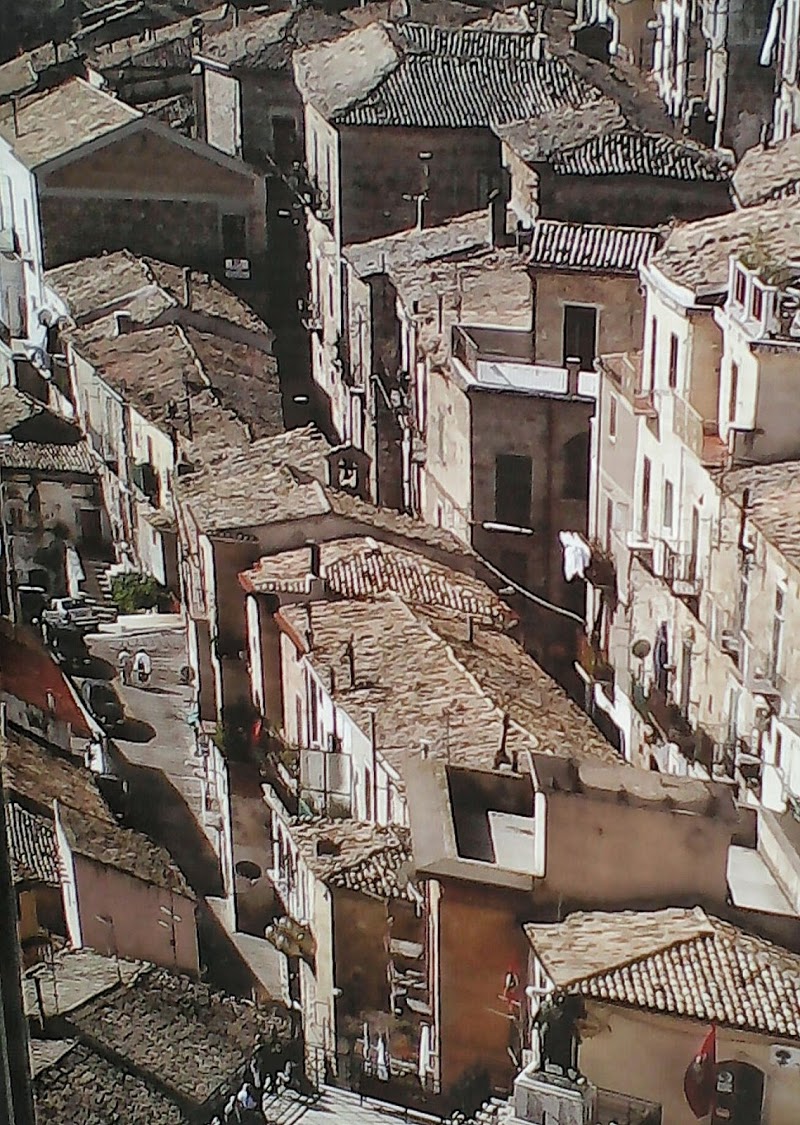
[[103, 176], [780, 52], [693, 502]]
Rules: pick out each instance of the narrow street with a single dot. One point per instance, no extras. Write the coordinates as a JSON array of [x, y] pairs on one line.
[[156, 746]]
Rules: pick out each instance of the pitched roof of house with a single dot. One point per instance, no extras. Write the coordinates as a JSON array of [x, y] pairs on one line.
[[35, 457], [16, 407], [768, 173], [36, 777], [63, 119], [418, 76], [122, 848], [200, 384], [268, 42], [426, 687], [361, 567], [538, 138], [146, 288], [696, 255], [31, 846], [774, 503], [628, 152], [677, 962], [354, 855], [586, 246], [29, 673], [464, 233]]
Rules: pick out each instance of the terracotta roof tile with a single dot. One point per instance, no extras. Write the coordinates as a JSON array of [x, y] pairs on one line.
[[679, 962], [583, 246], [31, 843], [29, 673], [31, 456], [768, 173], [774, 505], [628, 152], [355, 855], [37, 777]]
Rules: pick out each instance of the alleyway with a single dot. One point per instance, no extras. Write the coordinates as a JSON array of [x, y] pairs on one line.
[[157, 748]]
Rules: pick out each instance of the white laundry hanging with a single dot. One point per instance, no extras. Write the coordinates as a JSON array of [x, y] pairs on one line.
[[577, 555]]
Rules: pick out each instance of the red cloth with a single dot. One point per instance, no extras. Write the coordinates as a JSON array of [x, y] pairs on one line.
[[699, 1082]]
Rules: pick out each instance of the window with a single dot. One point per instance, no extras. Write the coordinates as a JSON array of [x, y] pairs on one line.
[[669, 504], [734, 392], [580, 335], [612, 418], [513, 479], [673, 361], [645, 510], [776, 648], [777, 756], [653, 349], [313, 719], [739, 287], [234, 236], [757, 302], [609, 523], [576, 468]]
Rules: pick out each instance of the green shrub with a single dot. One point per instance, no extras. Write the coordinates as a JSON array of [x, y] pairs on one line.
[[132, 593]]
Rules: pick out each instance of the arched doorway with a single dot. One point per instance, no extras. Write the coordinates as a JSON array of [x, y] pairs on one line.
[[739, 1095]]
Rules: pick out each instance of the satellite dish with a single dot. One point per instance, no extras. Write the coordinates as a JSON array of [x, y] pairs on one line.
[[641, 649]]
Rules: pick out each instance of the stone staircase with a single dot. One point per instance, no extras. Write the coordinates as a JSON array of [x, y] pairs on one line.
[[97, 586]]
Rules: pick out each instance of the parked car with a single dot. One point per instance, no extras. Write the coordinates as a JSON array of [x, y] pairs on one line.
[[69, 648], [79, 611], [103, 701]]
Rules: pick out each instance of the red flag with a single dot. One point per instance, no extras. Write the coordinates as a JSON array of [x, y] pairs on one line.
[[699, 1082]]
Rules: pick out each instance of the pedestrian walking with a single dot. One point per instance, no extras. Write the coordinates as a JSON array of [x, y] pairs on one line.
[[125, 664], [142, 668]]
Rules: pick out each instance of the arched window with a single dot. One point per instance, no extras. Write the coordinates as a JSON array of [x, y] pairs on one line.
[[576, 468]]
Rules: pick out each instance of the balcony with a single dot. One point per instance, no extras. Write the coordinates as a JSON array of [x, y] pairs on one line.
[[680, 571], [593, 662], [503, 359], [700, 436], [624, 369]]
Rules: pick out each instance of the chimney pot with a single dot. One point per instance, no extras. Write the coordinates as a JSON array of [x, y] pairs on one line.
[[573, 366], [123, 322]]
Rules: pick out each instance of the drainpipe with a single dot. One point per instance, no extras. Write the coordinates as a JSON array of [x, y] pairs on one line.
[[374, 746]]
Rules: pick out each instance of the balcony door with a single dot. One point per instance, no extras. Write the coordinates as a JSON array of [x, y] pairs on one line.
[[580, 335]]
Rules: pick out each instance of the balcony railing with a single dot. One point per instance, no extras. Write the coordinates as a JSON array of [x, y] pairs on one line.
[[594, 661], [624, 369]]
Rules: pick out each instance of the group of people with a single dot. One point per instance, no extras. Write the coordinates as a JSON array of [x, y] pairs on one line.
[[271, 1071], [134, 668]]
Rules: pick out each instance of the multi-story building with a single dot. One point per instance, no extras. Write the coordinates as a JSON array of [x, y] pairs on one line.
[[693, 504], [780, 52]]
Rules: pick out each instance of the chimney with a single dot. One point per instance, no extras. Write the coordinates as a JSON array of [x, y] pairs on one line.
[[497, 218], [573, 366], [123, 322], [187, 286]]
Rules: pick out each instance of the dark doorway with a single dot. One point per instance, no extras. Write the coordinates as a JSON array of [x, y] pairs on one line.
[[739, 1094], [580, 335], [284, 141], [91, 530]]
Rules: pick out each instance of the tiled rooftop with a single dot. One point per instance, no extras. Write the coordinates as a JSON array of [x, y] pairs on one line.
[[677, 962], [29, 673], [768, 173], [627, 152], [157, 370], [539, 138], [16, 407], [467, 232], [696, 255], [268, 42], [37, 777], [123, 849], [774, 505], [424, 690], [31, 456], [361, 568], [145, 287], [62, 120], [357, 856], [415, 75], [20, 75], [75, 977], [32, 846], [82, 1088], [237, 489], [583, 246], [210, 1035]]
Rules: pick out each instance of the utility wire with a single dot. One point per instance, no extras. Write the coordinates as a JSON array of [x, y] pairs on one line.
[[533, 597]]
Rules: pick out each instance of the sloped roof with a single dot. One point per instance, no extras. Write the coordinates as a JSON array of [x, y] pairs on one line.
[[62, 120], [35, 457], [584, 246], [122, 848], [768, 173], [37, 777], [360, 567], [677, 962], [418, 76], [16, 407], [774, 503], [628, 152], [29, 673], [268, 42], [456, 236], [31, 845], [355, 855]]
